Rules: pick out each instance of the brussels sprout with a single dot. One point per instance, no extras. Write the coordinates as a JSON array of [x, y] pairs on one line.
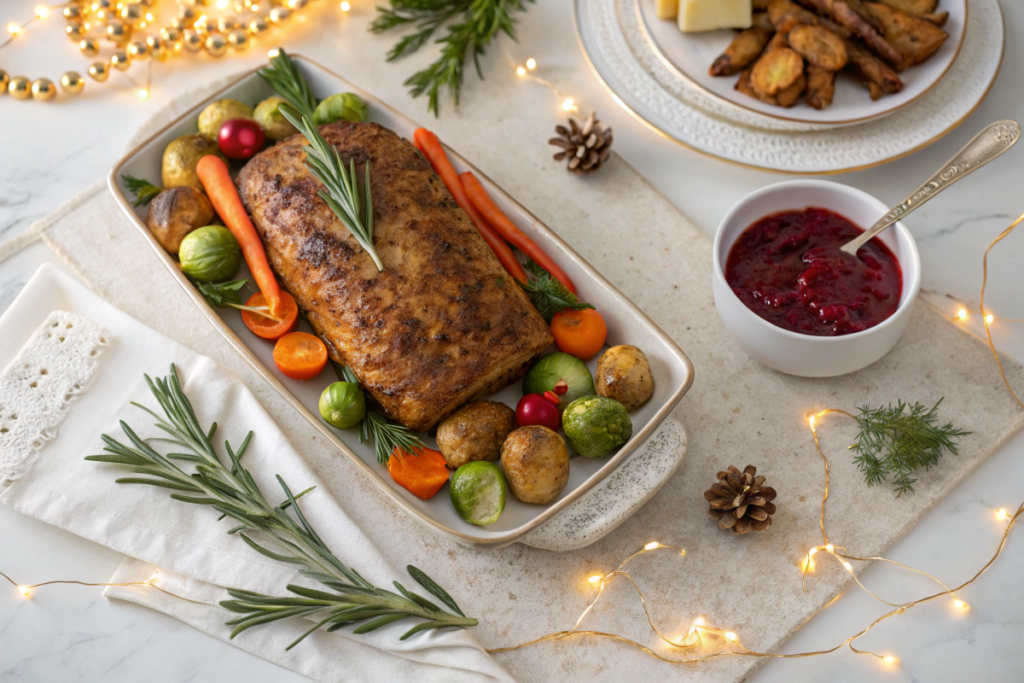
[[180, 159], [595, 426], [341, 107], [342, 405], [216, 113], [276, 126], [210, 254]]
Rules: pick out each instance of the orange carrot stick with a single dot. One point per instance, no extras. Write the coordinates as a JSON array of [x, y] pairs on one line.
[[509, 230], [213, 173], [431, 148]]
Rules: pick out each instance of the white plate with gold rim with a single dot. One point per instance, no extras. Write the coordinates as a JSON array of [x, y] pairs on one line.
[[613, 42], [689, 55]]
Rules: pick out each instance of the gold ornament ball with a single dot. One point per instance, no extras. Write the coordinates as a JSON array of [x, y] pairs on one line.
[[138, 50], [133, 13], [99, 71], [72, 83], [73, 11], [297, 4], [226, 24], [238, 40], [118, 32], [191, 41], [89, 47], [187, 14], [216, 45], [279, 15], [20, 88], [5, 81], [75, 30], [120, 60], [157, 48], [171, 35], [43, 90], [259, 26]]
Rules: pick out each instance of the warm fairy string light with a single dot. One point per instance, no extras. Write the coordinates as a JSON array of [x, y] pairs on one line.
[[151, 582], [525, 70]]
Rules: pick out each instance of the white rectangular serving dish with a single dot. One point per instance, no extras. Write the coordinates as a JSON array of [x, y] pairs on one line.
[[627, 324]]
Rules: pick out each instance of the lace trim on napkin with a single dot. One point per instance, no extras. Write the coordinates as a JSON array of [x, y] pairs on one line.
[[49, 372]]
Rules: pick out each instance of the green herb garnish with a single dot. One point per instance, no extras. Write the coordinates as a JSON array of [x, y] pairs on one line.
[[221, 294], [895, 441], [341, 186], [232, 491], [481, 21], [386, 436], [549, 296], [143, 190]]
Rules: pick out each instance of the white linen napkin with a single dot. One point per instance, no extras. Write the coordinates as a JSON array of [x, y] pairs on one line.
[[194, 555]]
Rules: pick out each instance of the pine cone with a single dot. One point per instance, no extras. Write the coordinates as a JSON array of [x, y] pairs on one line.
[[741, 501], [586, 148]]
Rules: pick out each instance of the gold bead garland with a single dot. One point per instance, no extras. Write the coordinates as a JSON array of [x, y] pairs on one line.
[[118, 23]]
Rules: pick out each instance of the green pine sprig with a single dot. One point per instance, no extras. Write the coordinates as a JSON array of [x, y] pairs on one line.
[[549, 296], [895, 441], [481, 21], [280, 532], [143, 190], [341, 185]]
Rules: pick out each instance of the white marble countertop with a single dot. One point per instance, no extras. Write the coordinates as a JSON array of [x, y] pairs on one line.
[[51, 151]]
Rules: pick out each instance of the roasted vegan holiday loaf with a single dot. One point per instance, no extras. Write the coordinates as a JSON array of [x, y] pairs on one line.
[[442, 325]]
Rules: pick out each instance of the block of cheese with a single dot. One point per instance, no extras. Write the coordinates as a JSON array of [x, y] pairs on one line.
[[666, 9], [710, 15]]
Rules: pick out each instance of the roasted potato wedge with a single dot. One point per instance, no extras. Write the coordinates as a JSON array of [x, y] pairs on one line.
[[787, 98], [776, 71], [914, 39], [761, 20], [791, 95], [742, 51], [785, 14], [916, 8], [845, 14], [937, 18], [821, 86], [819, 46], [872, 69]]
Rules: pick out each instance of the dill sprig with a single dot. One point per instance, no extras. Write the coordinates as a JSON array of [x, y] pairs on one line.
[[341, 185], [232, 491], [143, 190], [549, 296], [481, 21], [894, 441]]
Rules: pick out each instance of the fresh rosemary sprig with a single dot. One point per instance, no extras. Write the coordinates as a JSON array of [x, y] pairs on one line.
[[234, 493], [549, 296], [895, 441], [143, 190], [386, 436], [481, 21], [341, 192]]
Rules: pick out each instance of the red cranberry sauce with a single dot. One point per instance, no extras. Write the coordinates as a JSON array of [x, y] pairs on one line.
[[788, 268]]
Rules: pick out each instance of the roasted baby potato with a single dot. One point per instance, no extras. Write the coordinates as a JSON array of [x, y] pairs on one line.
[[476, 431], [819, 46], [181, 157], [743, 50], [536, 463], [624, 374], [916, 8], [216, 114], [821, 86], [776, 71], [176, 212], [914, 39]]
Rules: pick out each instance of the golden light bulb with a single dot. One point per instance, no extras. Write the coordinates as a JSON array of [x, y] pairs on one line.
[[962, 314], [830, 547], [960, 604], [811, 419], [652, 545], [811, 552], [531, 63], [595, 578], [221, 4], [274, 52], [888, 660], [345, 7], [255, 8], [24, 591], [989, 318], [149, 16], [568, 104], [13, 28], [730, 636], [521, 71], [42, 12], [1001, 514], [699, 621], [143, 93], [847, 565], [153, 579]]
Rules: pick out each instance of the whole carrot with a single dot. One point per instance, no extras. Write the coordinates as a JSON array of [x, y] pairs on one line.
[[427, 143], [509, 230], [213, 173]]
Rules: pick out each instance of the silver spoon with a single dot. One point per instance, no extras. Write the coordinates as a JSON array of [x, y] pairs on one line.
[[989, 144]]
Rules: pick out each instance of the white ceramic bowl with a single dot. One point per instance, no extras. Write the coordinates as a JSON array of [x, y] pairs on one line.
[[801, 354]]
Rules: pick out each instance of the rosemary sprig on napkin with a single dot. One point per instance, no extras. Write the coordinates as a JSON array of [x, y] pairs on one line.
[[896, 440], [341, 186], [270, 530], [481, 21]]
